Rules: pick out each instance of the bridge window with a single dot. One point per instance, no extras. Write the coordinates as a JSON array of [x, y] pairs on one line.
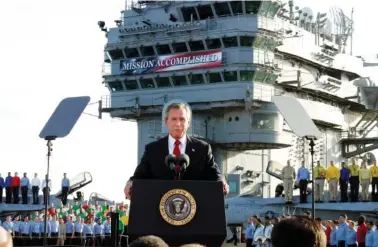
[[252, 7], [179, 81], [271, 78], [147, 51], [259, 76], [230, 76], [213, 77], [205, 12], [116, 54], [115, 86], [196, 79], [196, 45], [131, 52], [258, 42], [274, 7], [189, 13], [246, 76], [147, 83], [179, 47], [213, 43], [163, 82], [265, 121], [163, 49], [246, 41], [222, 8], [230, 42], [237, 7], [131, 85]]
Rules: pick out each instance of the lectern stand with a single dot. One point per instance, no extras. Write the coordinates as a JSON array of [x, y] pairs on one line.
[[180, 212]]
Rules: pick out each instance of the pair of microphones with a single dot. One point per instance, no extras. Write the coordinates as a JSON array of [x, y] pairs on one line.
[[182, 162]]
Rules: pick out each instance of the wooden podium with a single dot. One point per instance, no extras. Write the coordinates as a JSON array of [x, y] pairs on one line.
[[180, 212]]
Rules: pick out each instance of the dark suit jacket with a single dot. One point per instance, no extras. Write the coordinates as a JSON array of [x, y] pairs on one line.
[[201, 166]]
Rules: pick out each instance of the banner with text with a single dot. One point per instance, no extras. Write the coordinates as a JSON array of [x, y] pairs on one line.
[[193, 60]]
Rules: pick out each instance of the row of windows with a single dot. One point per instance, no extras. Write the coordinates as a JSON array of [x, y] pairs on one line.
[[192, 79], [181, 80], [189, 46], [203, 12]]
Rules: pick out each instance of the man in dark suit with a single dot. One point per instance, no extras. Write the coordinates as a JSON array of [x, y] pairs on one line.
[[202, 165]]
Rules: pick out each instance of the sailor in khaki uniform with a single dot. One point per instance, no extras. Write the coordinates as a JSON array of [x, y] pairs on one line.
[[288, 177], [365, 178], [319, 175]]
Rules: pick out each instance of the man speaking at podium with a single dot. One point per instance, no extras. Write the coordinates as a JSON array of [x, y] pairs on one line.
[[201, 164]]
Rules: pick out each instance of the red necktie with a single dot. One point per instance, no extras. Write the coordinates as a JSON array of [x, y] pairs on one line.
[[177, 152]]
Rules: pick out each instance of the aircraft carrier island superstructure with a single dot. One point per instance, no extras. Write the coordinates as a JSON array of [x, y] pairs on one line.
[[227, 59]]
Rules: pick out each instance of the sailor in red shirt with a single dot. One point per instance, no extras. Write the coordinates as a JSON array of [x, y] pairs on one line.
[[15, 187], [328, 231], [361, 231]]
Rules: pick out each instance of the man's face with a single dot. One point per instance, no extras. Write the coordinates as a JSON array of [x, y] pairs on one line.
[[177, 122]]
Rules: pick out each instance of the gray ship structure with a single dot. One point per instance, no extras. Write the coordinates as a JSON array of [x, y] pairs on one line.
[[227, 59]]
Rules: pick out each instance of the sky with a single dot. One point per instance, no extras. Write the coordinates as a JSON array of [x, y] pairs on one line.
[[53, 49]]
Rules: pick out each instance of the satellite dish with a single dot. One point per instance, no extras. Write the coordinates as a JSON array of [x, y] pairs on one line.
[[327, 27], [306, 13]]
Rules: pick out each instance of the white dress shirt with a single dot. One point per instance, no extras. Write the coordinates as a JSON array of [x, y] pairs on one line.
[[36, 182], [171, 144], [44, 183]]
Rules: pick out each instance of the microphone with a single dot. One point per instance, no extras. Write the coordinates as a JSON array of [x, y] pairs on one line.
[[170, 161], [183, 161]]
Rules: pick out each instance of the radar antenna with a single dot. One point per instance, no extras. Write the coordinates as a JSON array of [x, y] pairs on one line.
[[343, 27]]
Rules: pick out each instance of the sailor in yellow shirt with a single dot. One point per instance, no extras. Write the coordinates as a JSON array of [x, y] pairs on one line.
[[354, 181], [332, 176], [319, 175], [288, 177], [365, 180], [374, 183]]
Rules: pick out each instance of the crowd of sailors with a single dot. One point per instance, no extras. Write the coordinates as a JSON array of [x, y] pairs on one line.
[[352, 176], [339, 232], [71, 224], [13, 185]]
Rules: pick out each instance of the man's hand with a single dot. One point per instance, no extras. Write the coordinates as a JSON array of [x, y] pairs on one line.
[[226, 188], [128, 190]]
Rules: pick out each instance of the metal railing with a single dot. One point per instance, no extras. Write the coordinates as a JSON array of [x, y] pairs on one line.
[[264, 92]]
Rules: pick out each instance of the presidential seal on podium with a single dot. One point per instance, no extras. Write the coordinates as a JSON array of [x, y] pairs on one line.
[[178, 207]]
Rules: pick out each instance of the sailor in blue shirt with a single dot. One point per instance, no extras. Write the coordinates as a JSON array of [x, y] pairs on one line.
[[65, 188], [107, 231], [70, 230], [25, 184], [89, 230], [98, 232], [369, 239], [16, 229], [78, 228], [2, 185], [42, 228], [375, 235], [8, 189], [333, 239], [8, 225], [342, 230], [351, 239], [302, 177], [249, 231], [25, 228], [36, 232], [54, 224], [344, 178]]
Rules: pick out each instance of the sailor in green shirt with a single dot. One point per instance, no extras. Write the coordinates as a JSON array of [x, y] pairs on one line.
[[354, 181], [319, 176]]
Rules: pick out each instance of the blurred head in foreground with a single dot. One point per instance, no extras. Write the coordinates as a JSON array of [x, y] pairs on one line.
[[5, 238], [298, 231]]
